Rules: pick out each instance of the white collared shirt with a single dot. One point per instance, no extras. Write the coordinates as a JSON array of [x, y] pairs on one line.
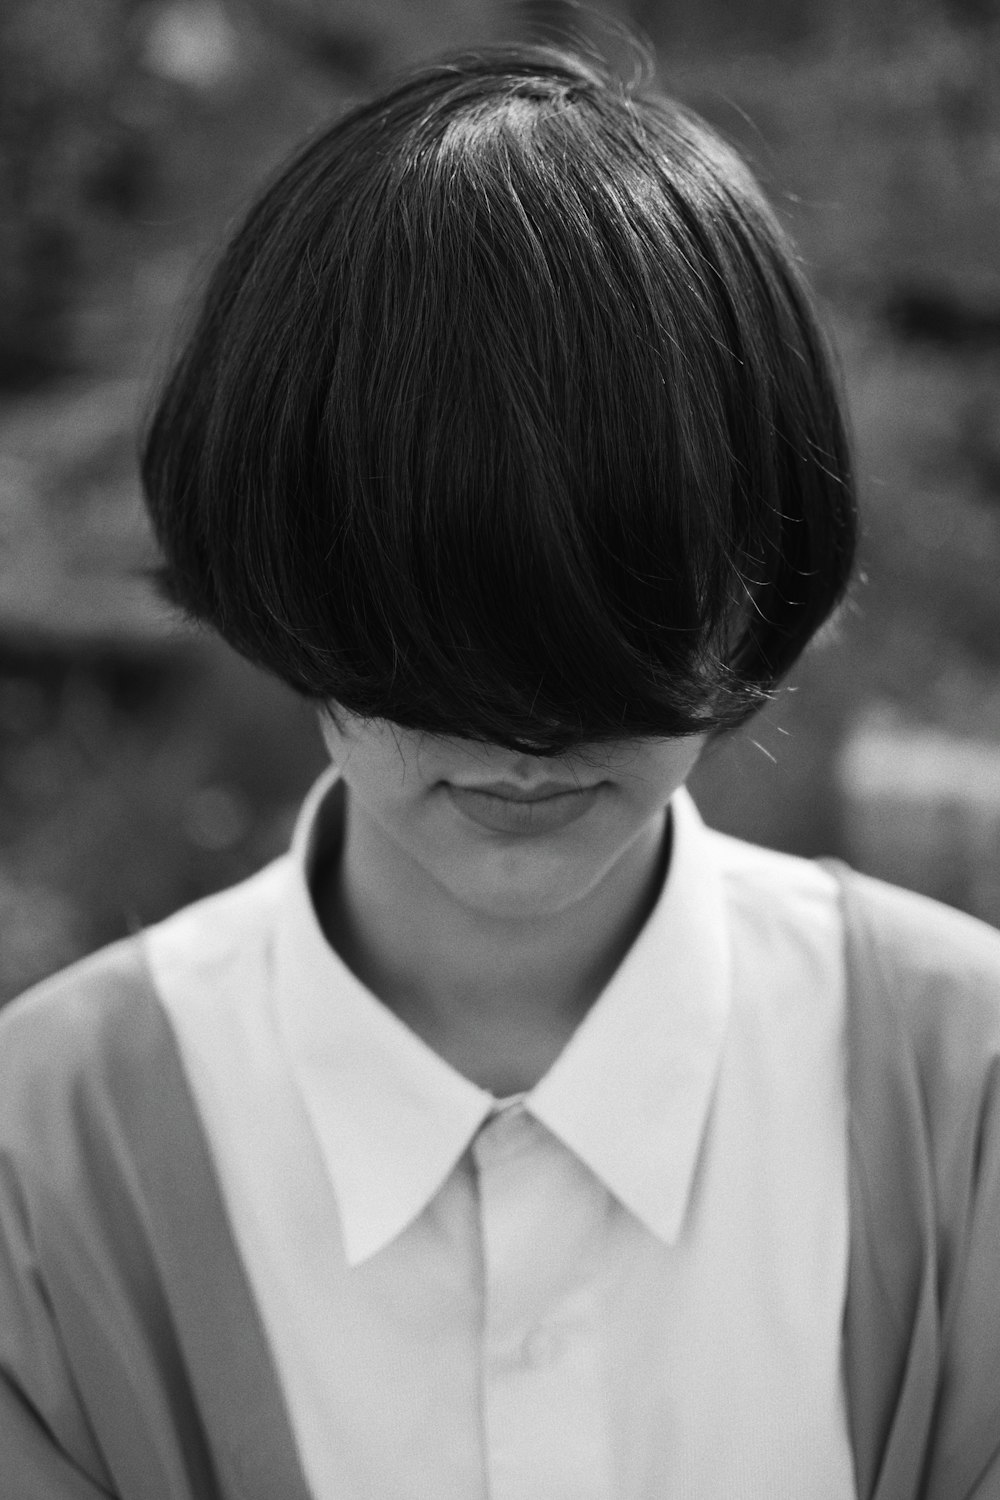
[[627, 1283]]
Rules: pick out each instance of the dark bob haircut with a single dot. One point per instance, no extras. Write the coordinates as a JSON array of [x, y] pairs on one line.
[[506, 416]]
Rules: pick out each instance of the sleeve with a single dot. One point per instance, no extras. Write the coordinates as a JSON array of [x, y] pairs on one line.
[[35, 1465], [965, 1461], [133, 1363], [922, 1338], [47, 1447]]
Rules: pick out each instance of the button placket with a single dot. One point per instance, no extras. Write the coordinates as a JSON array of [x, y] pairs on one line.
[[545, 1421]]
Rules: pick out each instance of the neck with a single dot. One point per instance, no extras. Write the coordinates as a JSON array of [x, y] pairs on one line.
[[498, 998]]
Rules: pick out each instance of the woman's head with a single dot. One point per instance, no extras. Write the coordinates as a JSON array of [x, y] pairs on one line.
[[506, 417]]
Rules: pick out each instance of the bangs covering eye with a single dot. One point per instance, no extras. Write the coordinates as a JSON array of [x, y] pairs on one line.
[[506, 415]]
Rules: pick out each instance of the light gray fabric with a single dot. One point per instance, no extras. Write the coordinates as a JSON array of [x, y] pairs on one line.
[[923, 1312], [132, 1360]]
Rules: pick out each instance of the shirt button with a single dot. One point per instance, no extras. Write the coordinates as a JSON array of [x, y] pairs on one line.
[[542, 1347]]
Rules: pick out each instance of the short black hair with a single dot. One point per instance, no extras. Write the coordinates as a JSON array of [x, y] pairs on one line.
[[506, 415]]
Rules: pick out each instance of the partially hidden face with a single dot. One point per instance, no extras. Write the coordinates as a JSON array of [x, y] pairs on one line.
[[503, 833]]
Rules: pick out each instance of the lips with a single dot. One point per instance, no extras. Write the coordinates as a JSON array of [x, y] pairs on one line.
[[504, 807], [511, 791]]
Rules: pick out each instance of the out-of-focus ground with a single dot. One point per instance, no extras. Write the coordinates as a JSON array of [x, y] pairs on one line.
[[142, 765]]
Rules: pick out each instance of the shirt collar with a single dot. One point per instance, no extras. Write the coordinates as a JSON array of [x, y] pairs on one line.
[[629, 1095], [390, 1116]]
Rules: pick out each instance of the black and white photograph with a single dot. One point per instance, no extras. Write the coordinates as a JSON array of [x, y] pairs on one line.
[[499, 750]]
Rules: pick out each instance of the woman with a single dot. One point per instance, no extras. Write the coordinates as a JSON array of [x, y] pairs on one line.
[[515, 1135]]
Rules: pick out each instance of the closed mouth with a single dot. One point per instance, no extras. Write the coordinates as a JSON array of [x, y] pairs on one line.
[[519, 811], [510, 792]]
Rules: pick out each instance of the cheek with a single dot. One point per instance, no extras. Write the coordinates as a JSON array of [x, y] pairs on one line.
[[651, 782], [380, 767]]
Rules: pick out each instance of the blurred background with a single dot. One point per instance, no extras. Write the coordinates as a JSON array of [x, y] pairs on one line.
[[141, 764]]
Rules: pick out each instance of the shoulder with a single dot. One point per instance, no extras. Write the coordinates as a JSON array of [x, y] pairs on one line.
[[783, 907], [59, 1037], [769, 879], [923, 1043], [936, 968], [923, 979], [924, 1122], [118, 1276], [80, 1045]]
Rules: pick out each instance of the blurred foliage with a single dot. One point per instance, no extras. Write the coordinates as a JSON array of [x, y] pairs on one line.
[[130, 788], [78, 138], [139, 768]]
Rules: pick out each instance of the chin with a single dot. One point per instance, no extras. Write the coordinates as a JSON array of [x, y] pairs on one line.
[[540, 893]]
